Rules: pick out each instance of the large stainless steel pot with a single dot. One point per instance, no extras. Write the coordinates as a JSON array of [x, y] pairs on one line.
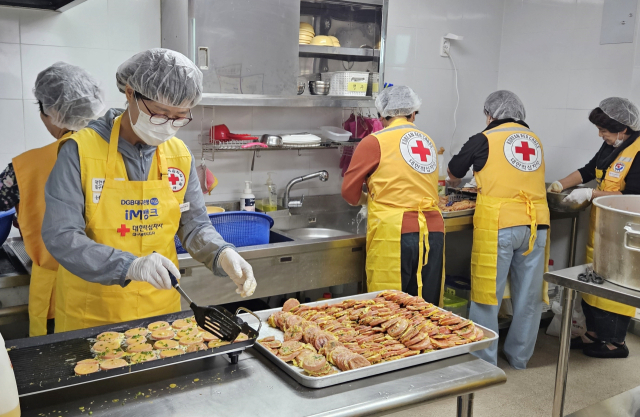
[[616, 248]]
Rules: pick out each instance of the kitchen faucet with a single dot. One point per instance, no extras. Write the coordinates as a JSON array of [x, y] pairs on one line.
[[287, 202]]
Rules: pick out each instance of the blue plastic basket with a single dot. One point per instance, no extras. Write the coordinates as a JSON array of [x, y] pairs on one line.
[[240, 228], [6, 220]]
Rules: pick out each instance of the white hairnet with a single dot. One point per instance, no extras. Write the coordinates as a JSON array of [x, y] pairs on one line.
[[69, 95], [503, 104], [622, 111], [397, 101], [162, 75]]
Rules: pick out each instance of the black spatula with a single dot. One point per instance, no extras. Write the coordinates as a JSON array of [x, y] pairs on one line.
[[216, 320]]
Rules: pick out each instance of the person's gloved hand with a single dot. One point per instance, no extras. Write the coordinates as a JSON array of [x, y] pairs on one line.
[[239, 271], [363, 199], [556, 187], [471, 184], [153, 269], [579, 196]]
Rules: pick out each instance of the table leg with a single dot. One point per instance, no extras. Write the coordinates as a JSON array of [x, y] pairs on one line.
[[574, 241], [563, 356], [465, 405]]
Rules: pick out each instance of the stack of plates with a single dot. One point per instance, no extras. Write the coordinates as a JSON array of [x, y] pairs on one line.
[[325, 41], [301, 139], [306, 33]]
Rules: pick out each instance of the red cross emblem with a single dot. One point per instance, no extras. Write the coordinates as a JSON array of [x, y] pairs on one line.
[[123, 230], [173, 179], [525, 150], [422, 151]]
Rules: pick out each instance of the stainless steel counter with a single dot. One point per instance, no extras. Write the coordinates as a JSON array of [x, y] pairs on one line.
[[568, 278], [626, 404], [256, 387]]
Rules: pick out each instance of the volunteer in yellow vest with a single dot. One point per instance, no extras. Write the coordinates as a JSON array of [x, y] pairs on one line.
[[68, 98], [119, 192], [405, 230], [511, 224], [617, 171]]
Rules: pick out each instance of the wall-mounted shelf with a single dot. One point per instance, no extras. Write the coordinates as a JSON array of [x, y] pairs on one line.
[[345, 54], [252, 100], [236, 147]]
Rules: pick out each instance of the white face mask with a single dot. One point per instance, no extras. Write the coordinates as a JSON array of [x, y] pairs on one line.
[[151, 134], [618, 141]]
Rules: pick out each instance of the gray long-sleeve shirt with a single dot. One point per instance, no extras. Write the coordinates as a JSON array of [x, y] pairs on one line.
[[63, 228]]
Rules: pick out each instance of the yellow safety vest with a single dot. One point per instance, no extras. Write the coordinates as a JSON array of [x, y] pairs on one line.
[[32, 169], [614, 180], [406, 180], [511, 192], [140, 217]]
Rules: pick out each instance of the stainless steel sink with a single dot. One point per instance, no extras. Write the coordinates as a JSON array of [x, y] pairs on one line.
[[310, 233]]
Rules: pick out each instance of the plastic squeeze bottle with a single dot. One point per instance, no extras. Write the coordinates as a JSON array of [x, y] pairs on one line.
[[247, 200], [272, 195], [9, 403], [442, 173]]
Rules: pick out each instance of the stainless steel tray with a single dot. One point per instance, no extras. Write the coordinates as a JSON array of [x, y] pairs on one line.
[[16, 246], [459, 213], [346, 376]]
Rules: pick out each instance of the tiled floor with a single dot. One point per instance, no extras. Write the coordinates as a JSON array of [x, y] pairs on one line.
[[529, 393]]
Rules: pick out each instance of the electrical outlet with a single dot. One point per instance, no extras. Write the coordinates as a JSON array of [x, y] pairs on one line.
[[445, 45]]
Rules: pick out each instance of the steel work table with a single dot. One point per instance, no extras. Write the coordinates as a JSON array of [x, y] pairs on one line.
[[256, 387], [568, 278], [626, 404]]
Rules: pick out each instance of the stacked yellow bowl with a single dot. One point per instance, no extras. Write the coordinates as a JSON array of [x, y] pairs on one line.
[[325, 41], [306, 34]]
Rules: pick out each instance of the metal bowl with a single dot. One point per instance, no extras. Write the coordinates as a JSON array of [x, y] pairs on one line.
[[271, 140], [301, 87], [556, 203], [319, 88]]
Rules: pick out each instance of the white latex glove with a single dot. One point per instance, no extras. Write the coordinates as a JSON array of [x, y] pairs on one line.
[[471, 184], [153, 269], [363, 199], [579, 196], [239, 271], [556, 187]]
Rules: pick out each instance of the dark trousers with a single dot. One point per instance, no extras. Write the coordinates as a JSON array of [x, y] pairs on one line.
[[610, 327], [431, 272]]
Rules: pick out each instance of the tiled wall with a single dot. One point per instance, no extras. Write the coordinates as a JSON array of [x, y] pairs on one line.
[[97, 35]]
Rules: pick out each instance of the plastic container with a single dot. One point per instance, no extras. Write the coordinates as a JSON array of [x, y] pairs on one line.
[[240, 228], [9, 402], [271, 202], [336, 134], [347, 83], [456, 305], [247, 199], [6, 220]]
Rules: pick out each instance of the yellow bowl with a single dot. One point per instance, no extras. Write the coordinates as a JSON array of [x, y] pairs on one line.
[[305, 33], [305, 37], [214, 209], [305, 25], [322, 40]]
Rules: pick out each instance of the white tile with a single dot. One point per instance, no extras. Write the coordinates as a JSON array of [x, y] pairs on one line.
[[542, 89], [82, 26], [398, 75], [401, 46], [475, 86], [634, 92], [548, 124], [401, 13], [433, 13], [435, 86], [436, 121], [547, 50], [111, 60], [231, 169], [589, 14], [36, 134], [35, 58], [9, 25], [328, 160], [5, 158], [587, 87], [579, 132], [428, 48], [528, 16], [134, 25], [586, 51], [286, 164], [560, 162], [11, 120], [10, 71]]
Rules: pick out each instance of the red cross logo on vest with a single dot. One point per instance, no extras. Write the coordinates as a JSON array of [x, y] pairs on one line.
[[177, 179], [123, 230], [523, 151], [418, 151], [422, 151]]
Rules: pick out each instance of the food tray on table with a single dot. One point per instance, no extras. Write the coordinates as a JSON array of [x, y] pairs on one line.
[[47, 363], [340, 377], [458, 213]]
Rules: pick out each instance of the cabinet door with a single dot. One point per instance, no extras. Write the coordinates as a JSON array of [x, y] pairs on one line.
[[246, 46]]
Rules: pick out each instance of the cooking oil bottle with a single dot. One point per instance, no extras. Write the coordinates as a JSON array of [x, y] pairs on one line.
[[271, 202]]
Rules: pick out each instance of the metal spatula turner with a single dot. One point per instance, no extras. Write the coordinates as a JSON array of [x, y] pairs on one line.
[[216, 320]]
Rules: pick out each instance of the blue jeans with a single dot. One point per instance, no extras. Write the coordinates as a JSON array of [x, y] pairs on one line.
[[610, 327], [526, 295]]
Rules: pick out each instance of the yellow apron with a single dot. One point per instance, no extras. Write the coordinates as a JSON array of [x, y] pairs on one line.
[[511, 192], [613, 180], [32, 169], [139, 217], [406, 180]]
